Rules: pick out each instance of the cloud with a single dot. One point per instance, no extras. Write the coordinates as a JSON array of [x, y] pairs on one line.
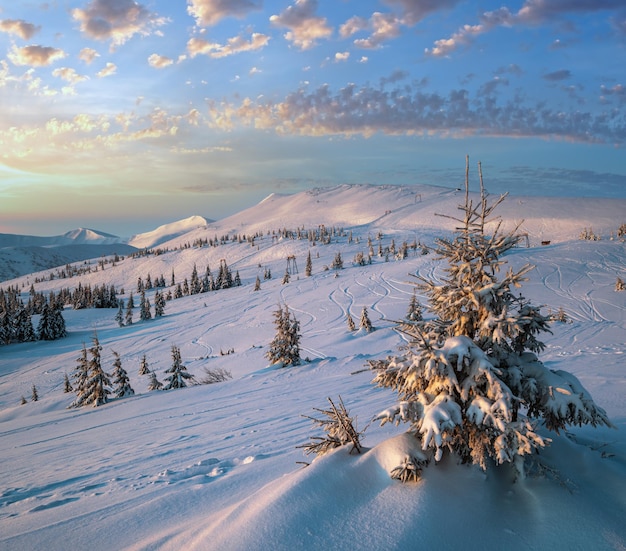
[[410, 110], [467, 33], [88, 55], [116, 20], [305, 29], [35, 56], [353, 26], [159, 61], [413, 11], [69, 75], [533, 12], [19, 27], [512, 69], [210, 12], [555, 76], [384, 26], [109, 69], [235, 45], [618, 91], [538, 11], [341, 56]]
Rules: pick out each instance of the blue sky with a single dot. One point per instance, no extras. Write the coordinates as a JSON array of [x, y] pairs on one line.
[[122, 115]]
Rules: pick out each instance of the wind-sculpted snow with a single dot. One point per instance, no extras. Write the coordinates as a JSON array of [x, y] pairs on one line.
[[215, 467]]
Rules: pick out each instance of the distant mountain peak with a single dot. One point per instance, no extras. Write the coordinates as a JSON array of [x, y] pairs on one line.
[[81, 235]]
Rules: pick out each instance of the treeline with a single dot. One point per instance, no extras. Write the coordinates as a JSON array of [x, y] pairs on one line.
[[16, 323]]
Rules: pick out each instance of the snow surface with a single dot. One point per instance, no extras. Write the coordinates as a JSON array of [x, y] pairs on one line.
[[216, 467]]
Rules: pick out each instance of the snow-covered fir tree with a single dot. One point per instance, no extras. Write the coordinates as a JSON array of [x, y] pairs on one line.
[[45, 330], [144, 307], [414, 312], [51, 324], [308, 268], [119, 317], [195, 286], [351, 324], [159, 304], [34, 394], [81, 374], [98, 384], [337, 262], [286, 277], [257, 284], [121, 381], [284, 349], [143, 367], [128, 320], [469, 382], [154, 383], [23, 330], [365, 322], [67, 386], [178, 374]]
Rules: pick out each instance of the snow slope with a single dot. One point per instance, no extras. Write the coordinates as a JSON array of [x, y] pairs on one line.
[[167, 232], [216, 467]]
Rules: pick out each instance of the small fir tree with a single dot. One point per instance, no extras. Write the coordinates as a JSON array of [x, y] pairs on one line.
[[119, 317], [365, 322], [144, 307], [178, 372], [98, 383], [351, 324], [337, 262], [284, 349], [154, 383], [286, 277], [67, 386], [195, 285], [121, 381], [257, 284], [340, 430], [619, 284], [308, 268], [81, 374], [143, 367], [159, 304], [129, 310], [414, 312], [34, 395]]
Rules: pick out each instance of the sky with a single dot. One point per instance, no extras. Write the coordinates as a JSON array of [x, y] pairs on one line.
[[122, 115]]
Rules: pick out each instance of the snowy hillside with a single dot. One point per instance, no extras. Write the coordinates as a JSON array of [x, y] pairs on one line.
[[166, 232], [216, 467]]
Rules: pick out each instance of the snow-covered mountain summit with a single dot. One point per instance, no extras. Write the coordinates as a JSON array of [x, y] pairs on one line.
[[92, 237]]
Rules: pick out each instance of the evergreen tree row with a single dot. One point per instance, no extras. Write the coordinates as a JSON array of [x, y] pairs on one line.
[[94, 386], [16, 323]]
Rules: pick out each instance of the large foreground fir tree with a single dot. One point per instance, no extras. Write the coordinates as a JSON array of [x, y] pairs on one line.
[[470, 382]]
